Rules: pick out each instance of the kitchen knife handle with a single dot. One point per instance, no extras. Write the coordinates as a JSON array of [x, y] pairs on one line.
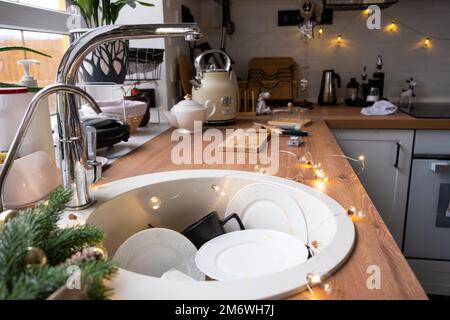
[[295, 133]]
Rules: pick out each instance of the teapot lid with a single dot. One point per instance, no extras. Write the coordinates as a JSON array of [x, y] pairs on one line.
[[187, 105]]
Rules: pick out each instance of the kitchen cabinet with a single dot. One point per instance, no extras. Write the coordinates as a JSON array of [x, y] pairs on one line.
[[388, 155], [427, 234]]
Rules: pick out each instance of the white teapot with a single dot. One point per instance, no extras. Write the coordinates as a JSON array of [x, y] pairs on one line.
[[184, 114]]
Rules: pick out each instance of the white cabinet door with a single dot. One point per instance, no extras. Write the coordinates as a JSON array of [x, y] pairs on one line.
[[388, 156]]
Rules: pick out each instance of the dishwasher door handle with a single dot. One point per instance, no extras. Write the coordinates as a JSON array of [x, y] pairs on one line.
[[440, 166], [397, 155]]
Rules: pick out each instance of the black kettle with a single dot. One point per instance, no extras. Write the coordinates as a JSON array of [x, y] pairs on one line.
[[328, 88]]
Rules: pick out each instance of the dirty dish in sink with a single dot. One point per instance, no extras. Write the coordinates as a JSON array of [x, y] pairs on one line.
[[266, 206], [153, 252], [209, 228], [250, 253]]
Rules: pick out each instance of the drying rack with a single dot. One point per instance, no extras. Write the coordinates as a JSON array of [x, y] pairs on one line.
[[124, 90]]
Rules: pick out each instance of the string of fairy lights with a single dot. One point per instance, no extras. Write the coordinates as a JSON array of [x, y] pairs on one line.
[[319, 282], [392, 27]]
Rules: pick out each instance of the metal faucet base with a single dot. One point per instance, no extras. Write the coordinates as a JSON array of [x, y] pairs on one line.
[[83, 207]]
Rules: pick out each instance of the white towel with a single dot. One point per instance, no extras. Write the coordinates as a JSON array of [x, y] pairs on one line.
[[380, 108]]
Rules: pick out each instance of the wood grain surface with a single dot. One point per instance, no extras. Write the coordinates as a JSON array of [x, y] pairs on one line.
[[343, 117], [374, 245]]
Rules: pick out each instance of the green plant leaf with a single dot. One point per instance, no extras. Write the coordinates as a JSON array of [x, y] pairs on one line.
[[96, 6], [90, 9], [145, 4], [17, 48]]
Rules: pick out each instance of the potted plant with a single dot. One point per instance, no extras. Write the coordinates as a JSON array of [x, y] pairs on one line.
[[19, 48], [108, 62]]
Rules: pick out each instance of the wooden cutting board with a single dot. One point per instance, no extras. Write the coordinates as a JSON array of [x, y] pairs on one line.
[[286, 122], [187, 72], [251, 141]]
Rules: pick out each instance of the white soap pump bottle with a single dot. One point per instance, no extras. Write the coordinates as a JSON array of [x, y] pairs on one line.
[[27, 79]]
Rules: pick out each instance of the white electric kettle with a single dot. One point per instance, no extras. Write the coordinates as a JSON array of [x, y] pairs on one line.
[[216, 88]]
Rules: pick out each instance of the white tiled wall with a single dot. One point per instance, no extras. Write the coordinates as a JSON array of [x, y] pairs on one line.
[[257, 35]]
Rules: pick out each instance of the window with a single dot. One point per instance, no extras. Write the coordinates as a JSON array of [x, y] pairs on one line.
[[48, 4], [37, 24]]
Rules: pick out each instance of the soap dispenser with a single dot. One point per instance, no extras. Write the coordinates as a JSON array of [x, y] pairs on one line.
[[27, 79]]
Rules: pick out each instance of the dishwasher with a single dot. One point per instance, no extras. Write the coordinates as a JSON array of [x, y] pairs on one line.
[[427, 232]]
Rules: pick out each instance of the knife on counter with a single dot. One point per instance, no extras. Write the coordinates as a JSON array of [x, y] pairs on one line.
[[285, 132]]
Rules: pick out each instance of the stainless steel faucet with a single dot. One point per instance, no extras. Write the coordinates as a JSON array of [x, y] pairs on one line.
[[74, 165]]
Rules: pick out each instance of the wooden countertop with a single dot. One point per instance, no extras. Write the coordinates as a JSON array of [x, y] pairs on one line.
[[374, 245], [343, 117]]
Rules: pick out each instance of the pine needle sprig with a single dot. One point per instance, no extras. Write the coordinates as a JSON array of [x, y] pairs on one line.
[[38, 228], [63, 243], [36, 283], [95, 272]]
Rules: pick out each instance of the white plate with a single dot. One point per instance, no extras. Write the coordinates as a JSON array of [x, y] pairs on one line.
[[266, 206], [250, 253], [153, 252], [176, 275]]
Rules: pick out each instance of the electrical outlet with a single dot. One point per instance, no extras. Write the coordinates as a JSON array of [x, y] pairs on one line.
[[289, 18]]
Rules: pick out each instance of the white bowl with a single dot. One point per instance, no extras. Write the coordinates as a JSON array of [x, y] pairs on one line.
[[30, 179]]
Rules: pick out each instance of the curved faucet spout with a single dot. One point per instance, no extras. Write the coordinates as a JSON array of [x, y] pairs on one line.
[[68, 118], [87, 43]]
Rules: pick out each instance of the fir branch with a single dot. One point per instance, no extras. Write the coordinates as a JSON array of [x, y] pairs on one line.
[[15, 237], [63, 243], [36, 283], [30, 229], [39, 228], [95, 272]]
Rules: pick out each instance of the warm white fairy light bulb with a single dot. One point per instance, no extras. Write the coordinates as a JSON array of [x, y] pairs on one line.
[[392, 26], [321, 31], [155, 203], [361, 215], [260, 170], [327, 288], [351, 210]]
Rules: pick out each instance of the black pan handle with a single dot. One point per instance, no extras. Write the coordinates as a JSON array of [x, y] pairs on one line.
[[397, 157], [234, 216]]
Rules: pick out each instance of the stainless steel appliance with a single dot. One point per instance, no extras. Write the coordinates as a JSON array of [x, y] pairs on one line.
[[328, 87], [72, 145], [427, 234]]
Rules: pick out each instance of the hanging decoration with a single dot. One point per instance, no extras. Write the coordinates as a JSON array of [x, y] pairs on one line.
[[311, 12]]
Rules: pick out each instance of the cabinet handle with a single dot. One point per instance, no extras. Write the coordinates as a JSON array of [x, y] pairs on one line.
[[397, 157]]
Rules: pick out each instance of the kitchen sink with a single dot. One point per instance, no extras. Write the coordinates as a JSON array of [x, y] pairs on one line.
[[175, 200]]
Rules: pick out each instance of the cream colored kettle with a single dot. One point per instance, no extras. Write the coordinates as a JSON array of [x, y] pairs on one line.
[[216, 88]]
